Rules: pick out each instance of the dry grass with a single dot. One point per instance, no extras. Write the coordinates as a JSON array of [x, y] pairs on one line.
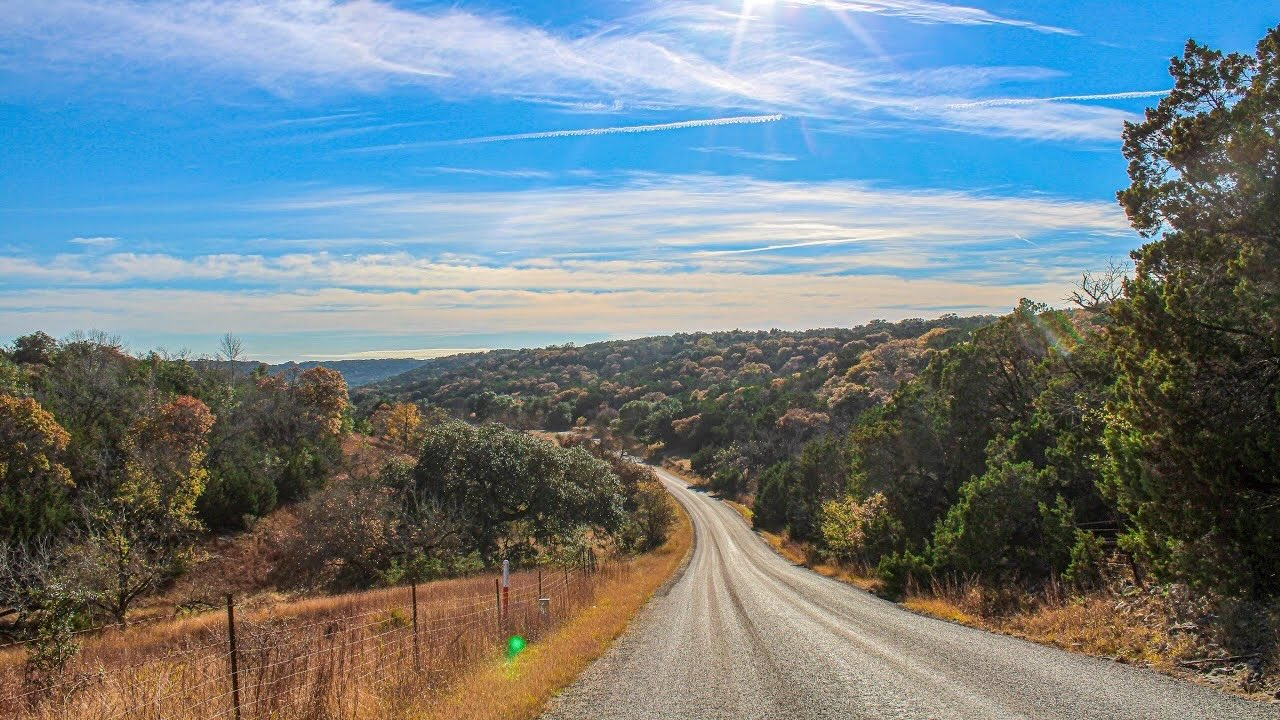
[[519, 688], [802, 554], [1126, 625], [939, 608], [354, 656]]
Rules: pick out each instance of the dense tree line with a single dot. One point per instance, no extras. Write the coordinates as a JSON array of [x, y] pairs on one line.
[[469, 497], [113, 466]]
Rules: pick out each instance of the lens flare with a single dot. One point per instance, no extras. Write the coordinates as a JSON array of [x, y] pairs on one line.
[[514, 646]]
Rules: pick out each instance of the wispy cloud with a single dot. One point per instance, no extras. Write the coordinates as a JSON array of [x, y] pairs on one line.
[[647, 232], [745, 154], [100, 242], [519, 174], [1011, 102], [583, 132], [587, 259], [923, 11], [670, 58]]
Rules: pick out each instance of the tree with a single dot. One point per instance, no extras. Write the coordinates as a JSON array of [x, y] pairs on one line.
[[37, 348], [323, 395], [230, 348], [1194, 432], [1004, 527], [398, 424], [144, 532], [510, 488], [35, 486], [859, 531], [93, 390]]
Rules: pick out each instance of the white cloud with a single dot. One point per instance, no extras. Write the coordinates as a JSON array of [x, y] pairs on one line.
[[754, 301], [587, 132], [727, 252], [1004, 102], [745, 154], [654, 233], [684, 56], [923, 11], [102, 242]]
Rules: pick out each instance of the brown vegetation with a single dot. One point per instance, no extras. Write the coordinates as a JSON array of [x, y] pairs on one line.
[[352, 656], [519, 689]]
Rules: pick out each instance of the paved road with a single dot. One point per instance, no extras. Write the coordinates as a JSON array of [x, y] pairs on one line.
[[745, 634]]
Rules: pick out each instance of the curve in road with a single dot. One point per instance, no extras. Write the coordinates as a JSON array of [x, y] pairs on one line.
[[746, 634]]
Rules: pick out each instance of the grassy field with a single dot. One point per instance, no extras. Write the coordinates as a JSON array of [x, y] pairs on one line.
[[355, 656]]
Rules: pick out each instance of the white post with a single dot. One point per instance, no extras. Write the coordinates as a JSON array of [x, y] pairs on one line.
[[506, 585]]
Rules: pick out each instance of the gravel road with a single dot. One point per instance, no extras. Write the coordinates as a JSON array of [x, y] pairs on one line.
[[745, 634]]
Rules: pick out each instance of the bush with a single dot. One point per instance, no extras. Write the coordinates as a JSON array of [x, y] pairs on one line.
[[859, 531], [903, 571], [234, 494]]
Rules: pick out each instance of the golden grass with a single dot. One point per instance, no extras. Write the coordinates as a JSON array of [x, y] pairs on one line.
[[747, 513], [939, 608], [353, 656], [517, 689], [801, 554], [1133, 631]]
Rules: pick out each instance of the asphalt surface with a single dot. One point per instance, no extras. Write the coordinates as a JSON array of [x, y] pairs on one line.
[[745, 634]]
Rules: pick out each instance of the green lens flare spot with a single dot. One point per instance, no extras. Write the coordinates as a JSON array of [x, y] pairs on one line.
[[515, 645]]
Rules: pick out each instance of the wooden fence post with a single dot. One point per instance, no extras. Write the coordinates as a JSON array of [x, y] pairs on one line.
[[235, 661]]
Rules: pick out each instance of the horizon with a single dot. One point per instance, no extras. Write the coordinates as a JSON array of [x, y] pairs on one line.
[[325, 177], [428, 354]]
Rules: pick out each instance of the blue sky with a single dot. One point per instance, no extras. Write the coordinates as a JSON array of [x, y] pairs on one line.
[[346, 179]]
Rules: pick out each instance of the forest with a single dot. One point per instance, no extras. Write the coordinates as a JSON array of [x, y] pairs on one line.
[[116, 472], [1134, 424]]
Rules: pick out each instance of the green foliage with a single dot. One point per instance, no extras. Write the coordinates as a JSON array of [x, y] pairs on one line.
[[1001, 528], [509, 489], [35, 487], [237, 490], [903, 570], [859, 531], [1194, 430], [1084, 571], [742, 400], [54, 644]]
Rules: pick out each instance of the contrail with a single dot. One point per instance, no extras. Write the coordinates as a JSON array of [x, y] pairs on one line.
[[709, 122], [1001, 102]]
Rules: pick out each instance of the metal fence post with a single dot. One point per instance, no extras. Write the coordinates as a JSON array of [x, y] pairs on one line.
[[506, 592], [417, 654], [497, 602], [235, 662]]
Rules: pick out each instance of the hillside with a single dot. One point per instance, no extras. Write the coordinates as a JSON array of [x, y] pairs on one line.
[[763, 392], [357, 373]]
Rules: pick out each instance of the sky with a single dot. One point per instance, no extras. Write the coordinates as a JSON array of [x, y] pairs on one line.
[[370, 178]]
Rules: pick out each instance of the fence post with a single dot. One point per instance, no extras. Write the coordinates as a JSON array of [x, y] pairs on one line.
[[235, 662], [497, 603], [506, 592], [417, 654]]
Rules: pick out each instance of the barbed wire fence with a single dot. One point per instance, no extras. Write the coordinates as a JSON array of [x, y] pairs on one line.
[[345, 658]]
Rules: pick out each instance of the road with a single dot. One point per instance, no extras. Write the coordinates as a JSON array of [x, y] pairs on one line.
[[746, 634]]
